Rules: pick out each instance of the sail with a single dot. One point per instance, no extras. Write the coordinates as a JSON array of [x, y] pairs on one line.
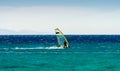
[[62, 40]]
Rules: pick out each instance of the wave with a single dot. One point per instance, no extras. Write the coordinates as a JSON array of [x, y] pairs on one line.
[[34, 48]]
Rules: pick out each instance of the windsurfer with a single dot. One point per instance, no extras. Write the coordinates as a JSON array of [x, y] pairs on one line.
[[65, 44]]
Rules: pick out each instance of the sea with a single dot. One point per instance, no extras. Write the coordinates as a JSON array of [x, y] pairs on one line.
[[42, 53]]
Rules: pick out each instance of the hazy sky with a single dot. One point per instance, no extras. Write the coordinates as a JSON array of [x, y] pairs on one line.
[[71, 16]]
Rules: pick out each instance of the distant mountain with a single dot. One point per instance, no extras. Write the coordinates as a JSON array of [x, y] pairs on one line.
[[21, 32], [5, 31]]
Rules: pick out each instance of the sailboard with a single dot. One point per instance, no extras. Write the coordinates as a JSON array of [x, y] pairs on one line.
[[61, 39]]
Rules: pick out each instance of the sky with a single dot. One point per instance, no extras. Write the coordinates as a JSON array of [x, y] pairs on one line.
[[71, 16]]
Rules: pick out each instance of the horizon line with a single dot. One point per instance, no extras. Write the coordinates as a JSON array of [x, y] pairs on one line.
[[55, 34]]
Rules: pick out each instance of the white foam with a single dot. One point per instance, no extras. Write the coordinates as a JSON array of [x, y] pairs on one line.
[[54, 47], [23, 48]]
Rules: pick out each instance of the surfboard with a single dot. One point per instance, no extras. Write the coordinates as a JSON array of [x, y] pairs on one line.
[[61, 39]]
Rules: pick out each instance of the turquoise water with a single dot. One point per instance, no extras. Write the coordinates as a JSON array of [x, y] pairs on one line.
[[55, 61], [84, 55]]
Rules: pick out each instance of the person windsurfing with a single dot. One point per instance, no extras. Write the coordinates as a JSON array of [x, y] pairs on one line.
[[66, 45], [62, 40]]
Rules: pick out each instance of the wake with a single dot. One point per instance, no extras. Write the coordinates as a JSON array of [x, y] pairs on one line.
[[36, 48]]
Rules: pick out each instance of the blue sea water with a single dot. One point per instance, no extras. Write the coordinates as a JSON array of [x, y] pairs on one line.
[[41, 53]]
